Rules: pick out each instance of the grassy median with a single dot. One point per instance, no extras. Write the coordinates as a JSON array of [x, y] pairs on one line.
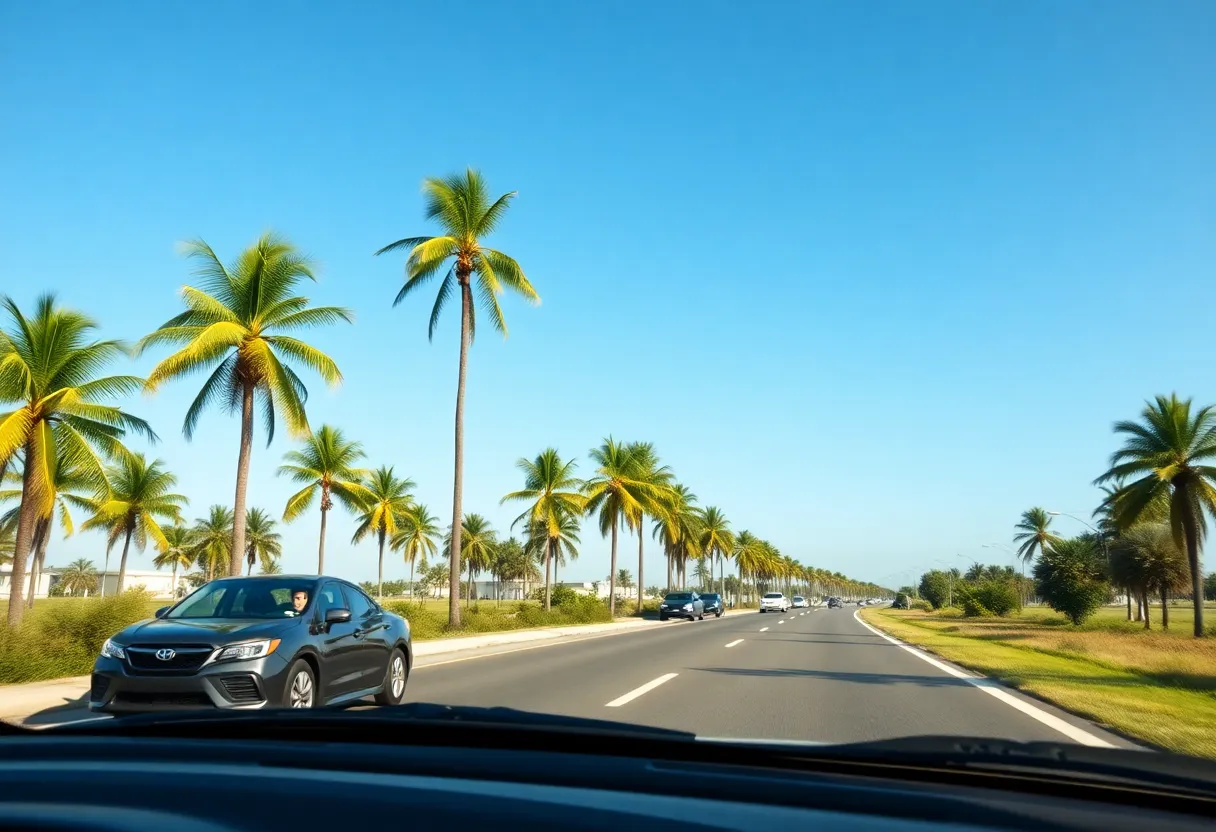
[[1155, 686]]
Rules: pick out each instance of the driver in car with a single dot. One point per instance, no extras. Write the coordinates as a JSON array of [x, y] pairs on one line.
[[299, 600]]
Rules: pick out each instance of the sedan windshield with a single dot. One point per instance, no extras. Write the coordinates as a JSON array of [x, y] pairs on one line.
[[250, 598], [773, 595], [679, 596]]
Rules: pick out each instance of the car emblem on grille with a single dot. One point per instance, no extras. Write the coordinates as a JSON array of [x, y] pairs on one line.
[[165, 654]]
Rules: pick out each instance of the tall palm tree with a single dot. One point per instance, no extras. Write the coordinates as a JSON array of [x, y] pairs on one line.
[[213, 541], [548, 545], [1165, 453], [717, 540], [462, 208], [179, 554], [79, 577], [749, 556], [50, 368], [657, 504], [262, 543], [554, 493], [233, 325], [1032, 533], [477, 545], [388, 501], [326, 464], [140, 498], [675, 526], [416, 538], [616, 493]]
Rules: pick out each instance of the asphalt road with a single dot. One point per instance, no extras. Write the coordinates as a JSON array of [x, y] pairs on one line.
[[817, 675]]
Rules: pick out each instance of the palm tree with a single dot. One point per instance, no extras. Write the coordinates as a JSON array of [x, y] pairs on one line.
[[232, 325], [1165, 453], [140, 497], [388, 501], [80, 576], [676, 526], [271, 568], [717, 541], [72, 485], [8, 540], [477, 543], [49, 367], [1032, 533], [180, 552], [657, 504], [326, 464], [461, 206], [416, 538], [616, 493], [553, 490], [213, 540], [262, 542], [547, 545]]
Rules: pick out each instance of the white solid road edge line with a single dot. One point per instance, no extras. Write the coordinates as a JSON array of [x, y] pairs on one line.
[[736, 641], [636, 692], [991, 688]]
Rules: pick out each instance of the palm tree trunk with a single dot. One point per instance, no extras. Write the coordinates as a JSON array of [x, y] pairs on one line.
[[1128, 591], [27, 520], [611, 576], [105, 571], [242, 482], [41, 533], [380, 573], [1192, 554], [321, 544], [466, 313], [1165, 609], [173, 589], [667, 549], [1148, 618], [122, 564], [641, 581], [548, 561], [412, 577]]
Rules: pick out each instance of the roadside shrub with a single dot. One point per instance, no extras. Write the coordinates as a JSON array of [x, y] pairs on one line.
[[558, 595], [935, 587], [920, 604], [988, 598], [1070, 577], [63, 637]]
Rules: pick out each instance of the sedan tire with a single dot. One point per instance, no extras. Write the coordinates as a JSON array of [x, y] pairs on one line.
[[395, 678], [301, 691]]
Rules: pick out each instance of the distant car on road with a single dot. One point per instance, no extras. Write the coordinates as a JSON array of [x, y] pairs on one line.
[[713, 604], [835, 603], [254, 642], [799, 601], [774, 602], [682, 605]]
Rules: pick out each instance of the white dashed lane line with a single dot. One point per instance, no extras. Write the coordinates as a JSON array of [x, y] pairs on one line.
[[764, 629], [736, 641], [636, 692]]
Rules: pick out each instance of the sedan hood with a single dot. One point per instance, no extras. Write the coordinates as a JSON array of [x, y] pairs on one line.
[[204, 630]]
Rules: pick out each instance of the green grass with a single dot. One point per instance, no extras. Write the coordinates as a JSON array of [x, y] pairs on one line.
[[1154, 686]]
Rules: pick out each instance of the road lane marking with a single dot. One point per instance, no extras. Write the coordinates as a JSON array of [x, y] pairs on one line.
[[736, 641], [782, 621], [992, 688], [764, 629], [636, 692]]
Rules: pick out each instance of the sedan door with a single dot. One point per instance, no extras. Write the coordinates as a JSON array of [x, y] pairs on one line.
[[338, 645], [372, 636]]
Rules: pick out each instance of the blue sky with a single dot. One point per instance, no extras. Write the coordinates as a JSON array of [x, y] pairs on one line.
[[874, 277]]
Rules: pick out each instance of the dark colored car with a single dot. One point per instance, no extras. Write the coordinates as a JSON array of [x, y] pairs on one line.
[[265, 641], [682, 605], [834, 603], [713, 604]]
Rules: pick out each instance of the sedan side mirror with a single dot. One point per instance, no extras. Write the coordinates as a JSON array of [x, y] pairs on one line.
[[337, 616], [160, 613]]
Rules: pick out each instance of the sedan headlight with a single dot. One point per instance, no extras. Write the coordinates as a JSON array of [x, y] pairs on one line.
[[110, 650], [248, 650]]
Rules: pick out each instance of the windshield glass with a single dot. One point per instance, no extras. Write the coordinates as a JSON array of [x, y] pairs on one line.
[[254, 598], [515, 331]]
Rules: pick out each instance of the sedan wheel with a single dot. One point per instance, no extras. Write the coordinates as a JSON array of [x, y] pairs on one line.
[[301, 686], [394, 680]]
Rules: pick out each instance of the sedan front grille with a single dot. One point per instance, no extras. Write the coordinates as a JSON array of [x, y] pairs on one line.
[[242, 688], [181, 659]]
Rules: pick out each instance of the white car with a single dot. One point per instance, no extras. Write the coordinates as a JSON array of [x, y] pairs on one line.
[[799, 601], [774, 602]]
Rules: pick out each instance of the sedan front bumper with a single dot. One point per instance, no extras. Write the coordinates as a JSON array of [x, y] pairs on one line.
[[252, 683], [677, 613]]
